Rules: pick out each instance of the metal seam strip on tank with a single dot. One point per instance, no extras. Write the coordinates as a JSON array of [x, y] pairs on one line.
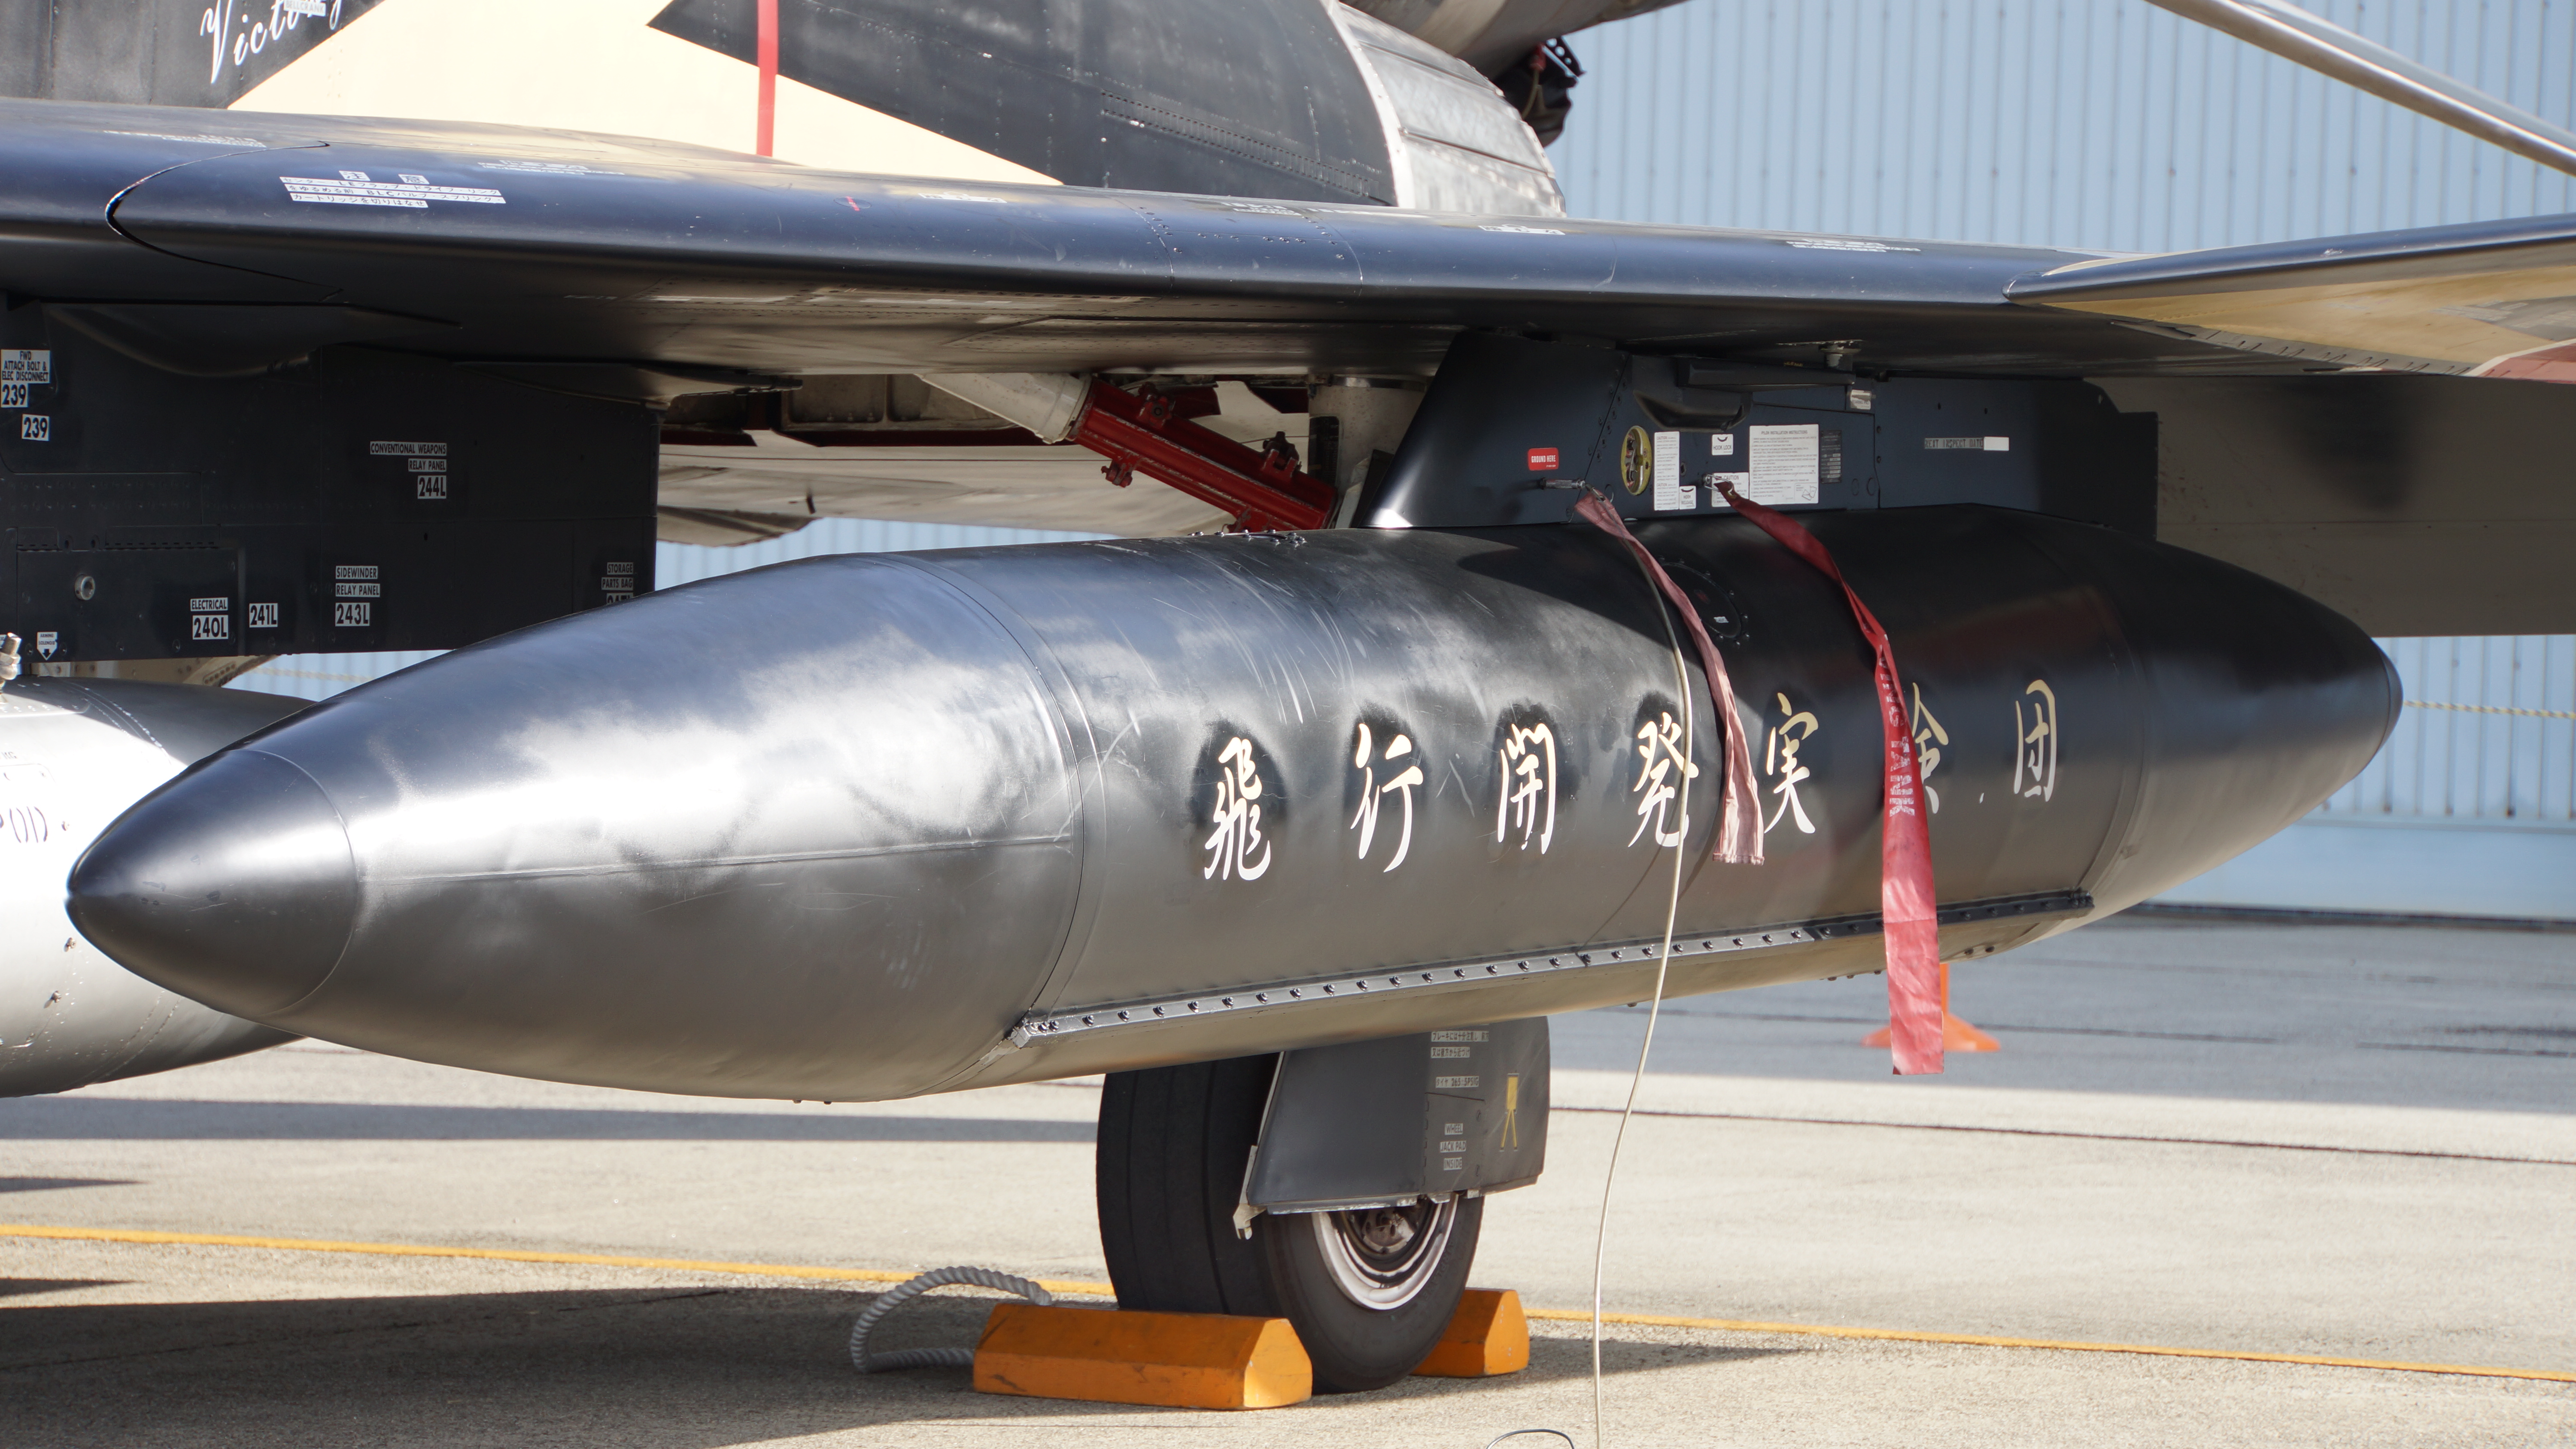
[[1082, 755], [149, 1238], [1113, 1015]]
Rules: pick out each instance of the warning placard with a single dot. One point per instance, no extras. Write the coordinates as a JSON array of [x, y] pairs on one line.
[[1782, 463], [1672, 490]]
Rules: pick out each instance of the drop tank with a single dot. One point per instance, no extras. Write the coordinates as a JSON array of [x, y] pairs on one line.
[[878, 825]]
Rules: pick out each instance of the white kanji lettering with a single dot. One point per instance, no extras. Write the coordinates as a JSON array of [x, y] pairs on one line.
[[2035, 759], [1526, 799], [1661, 773], [1780, 759], [1237, 819], [1373, 793], [1929, 739]]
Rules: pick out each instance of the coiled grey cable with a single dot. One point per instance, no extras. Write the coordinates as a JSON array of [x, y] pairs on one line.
[[911, 1288]]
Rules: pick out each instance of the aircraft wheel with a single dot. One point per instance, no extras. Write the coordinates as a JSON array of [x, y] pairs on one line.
[[1368, 1291]]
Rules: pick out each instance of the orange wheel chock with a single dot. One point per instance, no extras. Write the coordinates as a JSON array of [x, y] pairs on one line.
[[1487, 1336], [1171, 1360], [1956, 1035]]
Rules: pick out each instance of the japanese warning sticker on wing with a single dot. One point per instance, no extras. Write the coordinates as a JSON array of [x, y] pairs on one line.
[[357, 188]]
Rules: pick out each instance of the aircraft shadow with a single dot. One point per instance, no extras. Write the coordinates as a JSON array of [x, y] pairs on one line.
[[125, 1119], [48, 1184], [27, 1287], [666, 1367]]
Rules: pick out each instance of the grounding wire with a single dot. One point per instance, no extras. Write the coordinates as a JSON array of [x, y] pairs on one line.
[[1663, 964]]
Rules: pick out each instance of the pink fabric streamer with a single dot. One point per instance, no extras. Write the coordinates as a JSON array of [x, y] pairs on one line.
[[1739, 836], [1905, 899]]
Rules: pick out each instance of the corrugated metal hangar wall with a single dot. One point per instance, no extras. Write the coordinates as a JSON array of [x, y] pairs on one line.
[[2088, 123], [2080, 123], [2111, 124]]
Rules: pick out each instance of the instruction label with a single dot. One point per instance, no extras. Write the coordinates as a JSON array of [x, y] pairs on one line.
[[1784, 462], [27, 364], [1672, 490]]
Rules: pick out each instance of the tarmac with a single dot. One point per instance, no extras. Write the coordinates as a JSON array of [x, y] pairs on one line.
[[2226, 1144]]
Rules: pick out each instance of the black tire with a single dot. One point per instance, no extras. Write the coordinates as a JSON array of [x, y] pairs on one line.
[[1169, 1169]]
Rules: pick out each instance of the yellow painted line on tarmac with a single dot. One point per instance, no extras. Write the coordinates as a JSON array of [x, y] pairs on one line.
[[1982, 1340], [504, 1255], [1103, 1290]]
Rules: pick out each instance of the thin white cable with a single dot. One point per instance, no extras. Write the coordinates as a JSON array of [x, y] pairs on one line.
[[1663, 963]]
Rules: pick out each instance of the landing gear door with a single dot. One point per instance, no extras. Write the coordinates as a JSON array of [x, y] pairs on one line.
[[1389, 1121]]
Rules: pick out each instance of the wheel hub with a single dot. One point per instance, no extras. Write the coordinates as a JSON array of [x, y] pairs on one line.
[[1381, 1258]]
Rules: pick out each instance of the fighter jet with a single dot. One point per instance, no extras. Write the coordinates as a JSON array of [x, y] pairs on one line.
[[1641, 610]]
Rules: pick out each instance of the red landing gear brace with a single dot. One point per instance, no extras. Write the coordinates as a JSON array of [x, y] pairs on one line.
[[1263, 490]]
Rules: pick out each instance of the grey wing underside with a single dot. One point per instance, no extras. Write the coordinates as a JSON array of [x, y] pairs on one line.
[[566, 258]]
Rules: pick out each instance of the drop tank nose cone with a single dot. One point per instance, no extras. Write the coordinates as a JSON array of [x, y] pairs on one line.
[[234, 885]]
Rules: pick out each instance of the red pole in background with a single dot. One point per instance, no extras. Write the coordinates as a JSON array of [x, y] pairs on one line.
[[767, 133]]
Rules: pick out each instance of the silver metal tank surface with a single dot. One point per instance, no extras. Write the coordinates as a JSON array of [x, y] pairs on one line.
[[872, 826]]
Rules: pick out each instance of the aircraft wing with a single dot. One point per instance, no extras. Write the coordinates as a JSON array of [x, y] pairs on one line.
[[644, 272], [216, 253], [2493, 299], [225, 253]]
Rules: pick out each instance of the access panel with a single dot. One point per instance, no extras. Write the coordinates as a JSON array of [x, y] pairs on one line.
[[353, 501]]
